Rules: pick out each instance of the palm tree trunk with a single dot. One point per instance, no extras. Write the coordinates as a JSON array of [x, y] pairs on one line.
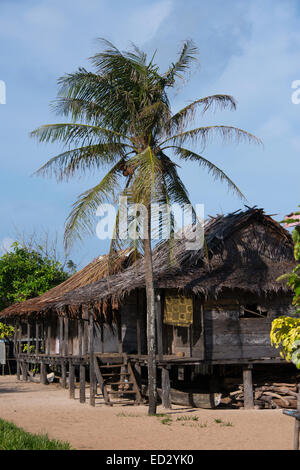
[[150, 319]]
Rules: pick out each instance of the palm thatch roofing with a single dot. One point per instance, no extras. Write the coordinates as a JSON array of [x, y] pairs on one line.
[[98, 269], [245, 250]]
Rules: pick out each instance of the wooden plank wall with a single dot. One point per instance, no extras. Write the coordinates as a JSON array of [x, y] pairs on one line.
[[220, 333]]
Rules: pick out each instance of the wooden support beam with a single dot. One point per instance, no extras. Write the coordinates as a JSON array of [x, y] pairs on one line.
[[16, 324], [71, 337], [48, 347], [138, 325], [37, 334], [85, 330], [248, 388], [28, 337], [80, 335], [19, 349], [71, 379], [138, 374], [43, 337], [190, 335], [24, 371], [92, 366], [43, 375], [158, 313], [166, 388], [82, 383], [102, 338], [297, 422], [18, 370], [63, 374], [61, 335], [66, 336]]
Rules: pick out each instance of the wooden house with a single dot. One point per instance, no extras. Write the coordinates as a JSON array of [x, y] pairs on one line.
[[214, 309]]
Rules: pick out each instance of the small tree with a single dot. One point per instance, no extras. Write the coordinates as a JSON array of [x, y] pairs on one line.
[[25, 274], [285, 332]]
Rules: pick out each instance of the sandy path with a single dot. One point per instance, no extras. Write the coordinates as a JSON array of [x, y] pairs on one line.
[[47, 409]]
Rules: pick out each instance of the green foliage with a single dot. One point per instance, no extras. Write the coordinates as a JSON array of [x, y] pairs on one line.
[[31, 348], [285, 331], [14, 438], [121, 120], [25, 274], [6, 330]]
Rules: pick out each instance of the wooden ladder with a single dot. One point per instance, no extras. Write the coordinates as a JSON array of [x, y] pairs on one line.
[[117, 380]]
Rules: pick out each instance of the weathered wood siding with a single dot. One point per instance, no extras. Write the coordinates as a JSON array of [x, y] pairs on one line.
[[227, 335], [132, 309], [220, 332]]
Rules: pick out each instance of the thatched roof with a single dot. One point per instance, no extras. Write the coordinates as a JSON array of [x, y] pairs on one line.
[[245, 250], [98, 269]]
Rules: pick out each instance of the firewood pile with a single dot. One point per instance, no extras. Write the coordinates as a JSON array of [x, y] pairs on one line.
[[269, 395]]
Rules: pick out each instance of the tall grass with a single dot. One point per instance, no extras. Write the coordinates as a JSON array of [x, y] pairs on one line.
[[14, 438]]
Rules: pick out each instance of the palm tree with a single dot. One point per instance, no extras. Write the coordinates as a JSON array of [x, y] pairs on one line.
[[121, 118]]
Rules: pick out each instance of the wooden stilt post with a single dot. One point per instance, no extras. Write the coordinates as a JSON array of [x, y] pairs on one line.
[[82, 383], [28, 337], [297, 422], [138, 326], [24, 371], [16, 324], [159, 326], [85, 331], [48, 342], [63, 373], [66, 336], [92, 366], [166, 388], [61, 352], [18, 370], [102, 338], [43, 375], [61, 335], [248, 387], [37, 334], [71, 379], [80, 336], [17, 346]]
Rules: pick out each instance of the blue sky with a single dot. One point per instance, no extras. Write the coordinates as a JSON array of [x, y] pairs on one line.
[[250, 50]]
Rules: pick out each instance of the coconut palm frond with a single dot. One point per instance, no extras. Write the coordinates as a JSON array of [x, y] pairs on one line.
[[186, 58], [82, 159], [82, 217], [186, 114], [203, 134], [76, 133], [217, 173]]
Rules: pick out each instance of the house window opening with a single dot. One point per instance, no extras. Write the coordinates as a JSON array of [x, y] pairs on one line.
[[253, 311]]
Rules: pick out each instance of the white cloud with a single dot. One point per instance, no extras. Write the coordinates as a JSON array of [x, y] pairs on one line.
[[146, 20]]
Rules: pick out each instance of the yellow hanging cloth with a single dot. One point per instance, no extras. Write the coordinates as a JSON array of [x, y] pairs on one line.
[[178, 309]]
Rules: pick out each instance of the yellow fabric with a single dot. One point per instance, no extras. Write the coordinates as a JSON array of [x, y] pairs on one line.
[[178, 309]]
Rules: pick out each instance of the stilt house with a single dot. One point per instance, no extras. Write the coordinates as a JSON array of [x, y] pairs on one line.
[[214, 308]]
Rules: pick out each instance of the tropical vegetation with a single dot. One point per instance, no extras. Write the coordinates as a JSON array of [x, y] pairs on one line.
[[285, 331], [25, 274], [120, 119]]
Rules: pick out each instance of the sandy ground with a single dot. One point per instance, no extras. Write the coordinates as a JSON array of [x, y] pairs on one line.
[[48, 409]]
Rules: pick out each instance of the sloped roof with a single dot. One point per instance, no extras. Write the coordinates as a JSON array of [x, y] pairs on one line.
[[245, 250], [98, 269]]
